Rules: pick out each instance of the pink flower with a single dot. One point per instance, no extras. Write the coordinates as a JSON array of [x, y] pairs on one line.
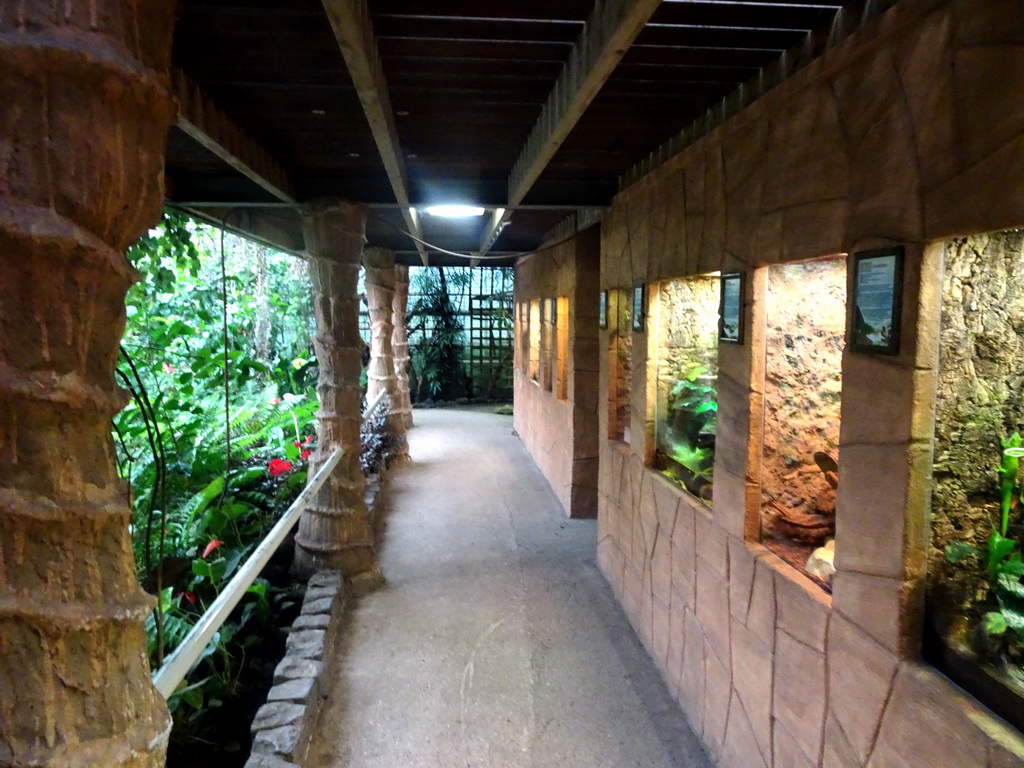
[[279, 467], [304, 454], [214, 543], [274, 400], [309, 439], [168, 368]]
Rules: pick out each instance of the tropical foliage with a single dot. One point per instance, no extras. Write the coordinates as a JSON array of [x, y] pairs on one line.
[[217, 358]]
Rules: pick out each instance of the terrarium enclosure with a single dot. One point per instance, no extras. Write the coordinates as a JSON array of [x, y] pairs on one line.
[[975, 595], [620, 353], [804, 332], [686, 356]]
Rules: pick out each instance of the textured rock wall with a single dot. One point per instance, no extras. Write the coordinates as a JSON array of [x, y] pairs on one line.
[[909, 132], [561, 434], [980, 395], [84, 116], [803, 348]]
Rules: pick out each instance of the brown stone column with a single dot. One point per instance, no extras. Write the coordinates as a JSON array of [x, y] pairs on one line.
[[380, 294], [83, 125], [400, 345], [335, 530]]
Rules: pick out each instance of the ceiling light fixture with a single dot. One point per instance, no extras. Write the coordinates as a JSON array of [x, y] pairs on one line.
[[455, 211]]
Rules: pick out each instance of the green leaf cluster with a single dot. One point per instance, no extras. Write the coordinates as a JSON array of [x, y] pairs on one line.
[[1002, 561]]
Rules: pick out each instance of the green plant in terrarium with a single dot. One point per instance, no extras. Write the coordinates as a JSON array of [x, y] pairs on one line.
[[1002, 560], [690, 426]]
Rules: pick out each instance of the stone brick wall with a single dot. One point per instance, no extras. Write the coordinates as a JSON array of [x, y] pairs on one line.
[[909, 133], [561, 435]]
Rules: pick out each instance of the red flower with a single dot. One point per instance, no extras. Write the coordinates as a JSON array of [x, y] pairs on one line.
[[309, 439], [190, 596], [279, 467], [297, 444], [214, 543], [304, 454]]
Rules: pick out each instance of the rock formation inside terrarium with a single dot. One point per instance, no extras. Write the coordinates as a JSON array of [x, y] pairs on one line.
[[687, 374], [975, 595], [804, 336]]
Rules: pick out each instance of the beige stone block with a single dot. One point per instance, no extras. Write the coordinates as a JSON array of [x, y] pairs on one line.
[[741, 581], [666, 497], [806, 161], [837, 751], [713, 609], [989, 80], [925, 725], [752, 681], [661, 628], [883, 183], [882, 508], [730, 503], [691, 679], [803, 609], [815, 229], [684, 558], [712, 543], [799, 698], [741, 749], [885, 400], [924, 59], [872, 603], [787, 751], [861, 673], [661, 568], [717, 694], [955, 207], [768, 241], [762, 614], [732, 436], [676, 642]]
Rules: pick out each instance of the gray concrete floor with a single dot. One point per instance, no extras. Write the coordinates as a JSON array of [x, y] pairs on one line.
[[495, 640]]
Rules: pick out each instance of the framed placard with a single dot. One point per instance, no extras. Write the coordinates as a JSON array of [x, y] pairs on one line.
[[638, 306], [877, 288], [730, 308], [553, 310], [602, 310]]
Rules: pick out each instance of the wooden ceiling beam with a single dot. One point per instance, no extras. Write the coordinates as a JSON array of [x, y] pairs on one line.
[[353, 29], [606, 36], [208, 124]]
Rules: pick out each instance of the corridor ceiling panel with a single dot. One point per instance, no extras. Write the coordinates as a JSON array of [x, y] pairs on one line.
[[405, 103]]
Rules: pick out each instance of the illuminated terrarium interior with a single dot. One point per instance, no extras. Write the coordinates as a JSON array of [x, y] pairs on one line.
[[620, 352], [805, 322], [687, 373], [975, 595]]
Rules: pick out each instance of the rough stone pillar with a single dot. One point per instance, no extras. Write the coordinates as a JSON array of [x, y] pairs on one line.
[[83, 125], [380, 293], [335, 530], [400, 345]]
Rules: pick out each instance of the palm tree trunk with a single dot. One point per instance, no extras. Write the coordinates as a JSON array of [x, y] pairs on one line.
[[380, 292], [400, 344], [82, 139], [335, 530]]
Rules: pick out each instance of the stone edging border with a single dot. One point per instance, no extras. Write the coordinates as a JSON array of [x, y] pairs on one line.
[[281, 728]]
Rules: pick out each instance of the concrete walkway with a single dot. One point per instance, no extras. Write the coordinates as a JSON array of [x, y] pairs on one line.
[[495, 641]]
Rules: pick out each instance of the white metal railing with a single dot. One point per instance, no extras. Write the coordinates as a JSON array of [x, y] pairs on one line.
[[179, 663], [376, 403]]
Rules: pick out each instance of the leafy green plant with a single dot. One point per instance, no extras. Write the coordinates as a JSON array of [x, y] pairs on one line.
[[691, 424], [1002, 561]]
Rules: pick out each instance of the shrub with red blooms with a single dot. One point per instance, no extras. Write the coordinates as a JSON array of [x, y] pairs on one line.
[[279, 467]]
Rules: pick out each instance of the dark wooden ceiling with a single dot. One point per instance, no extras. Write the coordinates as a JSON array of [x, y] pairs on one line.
[[466, 81]]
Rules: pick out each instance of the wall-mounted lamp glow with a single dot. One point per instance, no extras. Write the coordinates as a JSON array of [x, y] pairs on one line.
[[455, 211]]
